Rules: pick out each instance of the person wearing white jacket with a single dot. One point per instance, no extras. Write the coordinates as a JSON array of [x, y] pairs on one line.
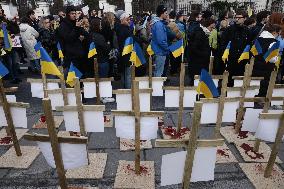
[[29, 35]]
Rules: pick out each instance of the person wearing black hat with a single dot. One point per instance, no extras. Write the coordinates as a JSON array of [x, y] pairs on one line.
[[159, 41]]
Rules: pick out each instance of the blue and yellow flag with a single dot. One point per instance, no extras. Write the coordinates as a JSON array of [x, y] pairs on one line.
[[177, 48], [47, 65], [37, 48], [3, 70], [256, 48], [128, 46], [60, 53], [72, 74], [137, 56], [150, 50], [272, 52], [206, 85], [7, 38], [225, 56], [245, 54], [92, 50]]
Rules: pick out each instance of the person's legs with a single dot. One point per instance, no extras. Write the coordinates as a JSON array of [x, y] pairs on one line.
[[103, 69], [159, 62], [127, 78]]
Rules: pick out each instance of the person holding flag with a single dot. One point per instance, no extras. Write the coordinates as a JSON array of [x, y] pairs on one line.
[[265, 61]]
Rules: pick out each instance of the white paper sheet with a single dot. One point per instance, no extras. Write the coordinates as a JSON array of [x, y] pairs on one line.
[[73, 155], [267, 129], [125, 127], [203, 166], [11, 98], [250, 93], [230, 111], [251, 119], [90, 89], [71, 97], [19, 116], [124, 102], [232, 94], [277, 93], [196, 81], [144, 84], [239, 83], [93, 120], [56, 100], [37, 89], [158, 88], [172, 98], [209, 113]]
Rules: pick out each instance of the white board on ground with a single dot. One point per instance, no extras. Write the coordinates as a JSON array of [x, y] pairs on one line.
[[267, 129], [37, 89], [157, 86], [11, 98], [239, 83], [124, 102], [277, 92], [93, 120], [249, 94], [125, 127], [172, 98], [203, 166], [230, 111], [19, 117], [73, 155], [251, 119], [57, 99], [209, 113], [104, 86]]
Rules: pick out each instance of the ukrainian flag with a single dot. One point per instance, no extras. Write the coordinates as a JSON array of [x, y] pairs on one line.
[[47, 65], [128, 46], [206, 85], [150, 50], [256, 48], [272, 52], [177, 48], [225, 56], [72, 74], [245, 54], [7, 38], [137, 56], [60, 53], [37, 48], [3, 70], [92, 50]]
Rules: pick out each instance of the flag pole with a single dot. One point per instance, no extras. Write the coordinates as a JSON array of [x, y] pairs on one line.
[[97, 80], [150, 78]]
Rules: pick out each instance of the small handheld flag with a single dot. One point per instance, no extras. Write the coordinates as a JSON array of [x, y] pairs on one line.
[[177, 48], [72, 74], [245, 54], [7, 39], [272, 52], [37, 48], [137, 56], [225, 56], [60, 53], [47, 65], [206, 85], [150, 50], [128, 46], [256, 48], [3, 70], [92, 50]]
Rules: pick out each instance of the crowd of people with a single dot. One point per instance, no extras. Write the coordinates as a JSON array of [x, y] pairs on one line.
[[203, 34]]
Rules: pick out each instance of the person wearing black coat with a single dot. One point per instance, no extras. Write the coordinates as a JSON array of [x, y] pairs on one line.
[[261, 19], [199, 49], [238, 34], [262, 69]]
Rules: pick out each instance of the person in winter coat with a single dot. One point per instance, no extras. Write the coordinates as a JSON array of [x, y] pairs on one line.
[[261, 19], [72, 37], [47, 36], [160, 40], [29, 36], [32, 19], [199, 49], [239, 36], [262, 69]]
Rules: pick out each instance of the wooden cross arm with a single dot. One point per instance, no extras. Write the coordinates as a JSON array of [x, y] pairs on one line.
[[173, 88], [142, 114], [153, 78], [270, 115], [262, 99], [32, 80], [128, 91], [278, 86], [216, 100], [94, 80], [182, 143], [17, 104], [61, 139], [242, 77], [213, 76], [57, 91], [97, 108], [11, 89], [240, 88]]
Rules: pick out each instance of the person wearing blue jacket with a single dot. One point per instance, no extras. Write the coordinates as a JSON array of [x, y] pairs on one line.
[[159, 40]]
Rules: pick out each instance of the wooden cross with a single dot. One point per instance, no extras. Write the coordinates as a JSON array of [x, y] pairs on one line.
[[137, 114], [211, 64], [181, 95], [97, 80], [55, 140], [150, 77], [190, 144], [79, 106]]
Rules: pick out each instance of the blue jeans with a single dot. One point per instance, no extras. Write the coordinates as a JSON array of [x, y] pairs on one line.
[[126, 78], [103, 69], [159, 61]]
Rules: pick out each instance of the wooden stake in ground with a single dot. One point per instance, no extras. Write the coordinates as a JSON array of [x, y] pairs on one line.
[[97, 80], [79, 106], [63, 87], [8, 115], [181, 95], [275, 148], [271, 85], [44, 85], [54, 143], [132, 69], [150, 78], [211, 64]]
